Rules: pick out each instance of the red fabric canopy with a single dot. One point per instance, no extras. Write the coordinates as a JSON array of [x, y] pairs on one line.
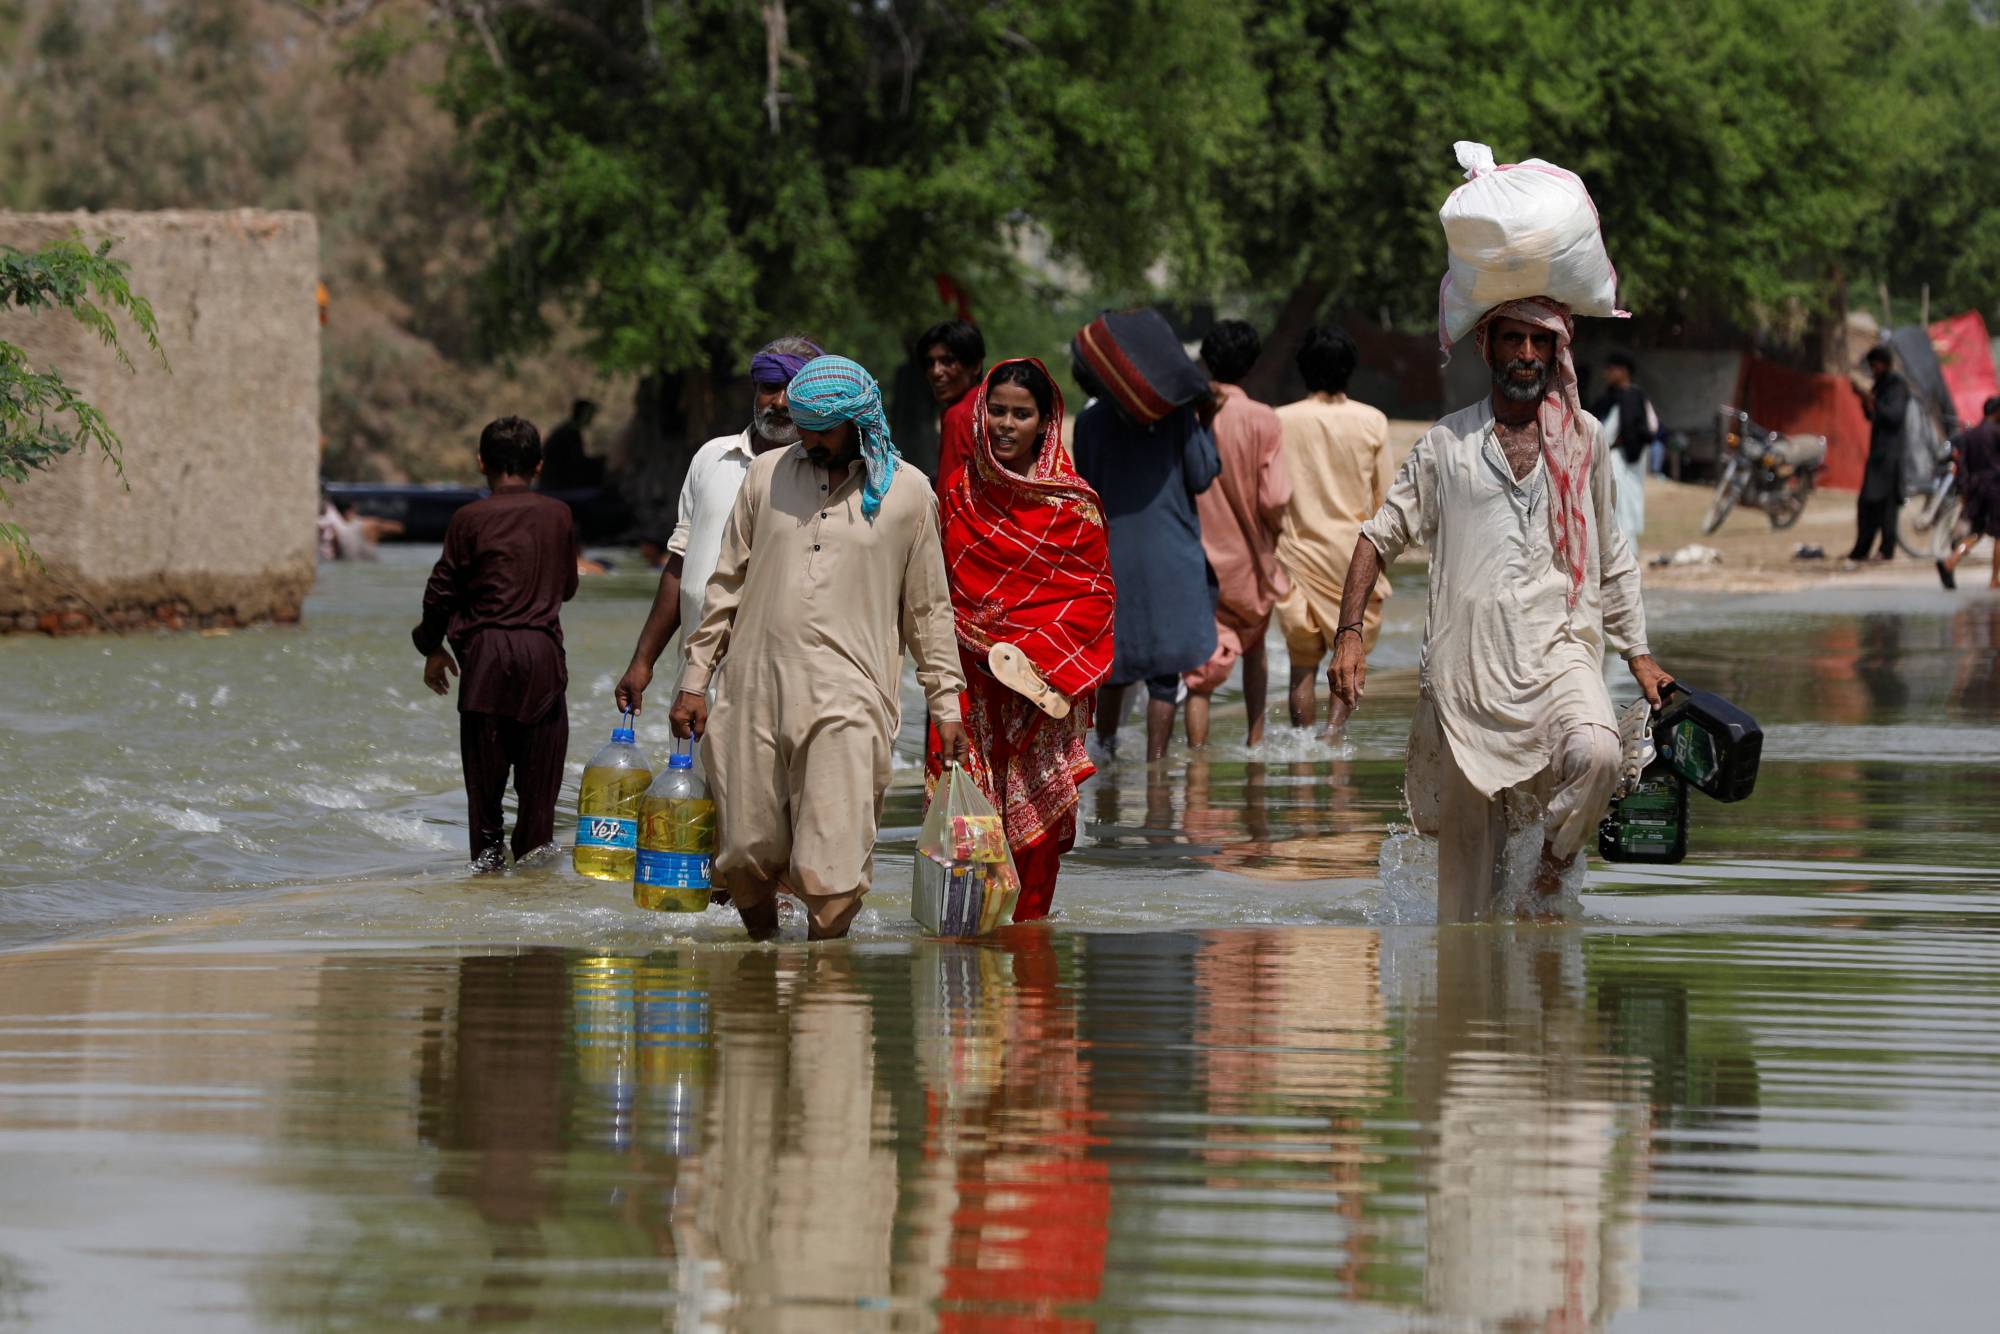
[[1966, 353], [1799, 402]]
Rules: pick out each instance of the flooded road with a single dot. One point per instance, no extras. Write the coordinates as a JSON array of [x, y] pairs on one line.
[[270, 1059]]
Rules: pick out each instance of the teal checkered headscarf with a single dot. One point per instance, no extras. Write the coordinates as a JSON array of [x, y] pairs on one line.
[[831, 390]]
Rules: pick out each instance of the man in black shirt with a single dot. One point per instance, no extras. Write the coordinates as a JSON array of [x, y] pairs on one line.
[[1888, 409]]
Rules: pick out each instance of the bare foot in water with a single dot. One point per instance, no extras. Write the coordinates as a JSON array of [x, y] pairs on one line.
[[1012, 669], [1549, 873]]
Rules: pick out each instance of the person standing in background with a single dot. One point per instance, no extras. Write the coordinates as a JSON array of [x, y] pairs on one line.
[[566, 464], [1338, 458], [1630, 426], [953, 355], [1241, 516], [1976, 460], [1888, 409]]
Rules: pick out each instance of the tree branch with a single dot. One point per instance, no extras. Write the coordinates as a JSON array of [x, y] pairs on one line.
[[776, 34]]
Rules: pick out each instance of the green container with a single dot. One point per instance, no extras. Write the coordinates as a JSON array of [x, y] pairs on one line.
[[1650, 823]]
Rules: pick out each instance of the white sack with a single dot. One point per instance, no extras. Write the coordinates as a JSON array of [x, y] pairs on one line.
[[1519, 230]]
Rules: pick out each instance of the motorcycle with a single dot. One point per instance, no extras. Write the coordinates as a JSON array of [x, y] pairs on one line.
[[1764, 470]]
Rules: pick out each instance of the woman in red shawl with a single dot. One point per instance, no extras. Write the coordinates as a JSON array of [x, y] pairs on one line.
[[1032, 596]]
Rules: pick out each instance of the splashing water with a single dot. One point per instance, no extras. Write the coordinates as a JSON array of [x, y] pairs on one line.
[[1408, 867]]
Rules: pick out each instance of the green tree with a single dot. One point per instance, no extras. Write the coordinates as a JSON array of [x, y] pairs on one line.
[[1745, 155], [1942, 225], [42, 418], [689, 179]]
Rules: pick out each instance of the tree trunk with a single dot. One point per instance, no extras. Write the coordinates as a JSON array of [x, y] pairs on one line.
[[673, 414], [1301, 308], [1829, 337]]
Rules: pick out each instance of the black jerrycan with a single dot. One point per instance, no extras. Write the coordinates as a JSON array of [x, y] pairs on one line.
[[1708, 741], [1699, 739]]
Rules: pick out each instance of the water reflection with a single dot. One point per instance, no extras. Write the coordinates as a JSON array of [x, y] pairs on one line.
[[1036, 1133], [1293, 820]]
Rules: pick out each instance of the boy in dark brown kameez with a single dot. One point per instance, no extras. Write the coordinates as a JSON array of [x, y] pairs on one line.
[[496, 596]]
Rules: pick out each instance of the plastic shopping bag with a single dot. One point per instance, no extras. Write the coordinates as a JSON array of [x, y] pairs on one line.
[[965, 882], [1518, 230]]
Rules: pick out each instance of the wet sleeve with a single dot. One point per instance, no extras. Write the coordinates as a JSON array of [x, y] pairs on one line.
[[710, 640], [1407, 516], [927, 628], [441, 592], [1618, 568]]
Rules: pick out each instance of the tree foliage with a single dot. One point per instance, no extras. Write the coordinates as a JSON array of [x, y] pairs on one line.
[[1750, 157], [42, 417], [1745, 155], [693, 177]]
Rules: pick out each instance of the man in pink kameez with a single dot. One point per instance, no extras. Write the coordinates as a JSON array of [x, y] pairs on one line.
[[1240, 519]]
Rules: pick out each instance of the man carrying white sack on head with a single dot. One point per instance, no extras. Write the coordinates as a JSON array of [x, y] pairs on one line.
[[1529, 579]]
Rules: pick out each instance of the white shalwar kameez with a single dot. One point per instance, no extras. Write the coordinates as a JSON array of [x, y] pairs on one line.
[[1514, 708]]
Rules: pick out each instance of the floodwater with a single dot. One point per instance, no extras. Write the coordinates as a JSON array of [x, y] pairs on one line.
[[269, 1058]]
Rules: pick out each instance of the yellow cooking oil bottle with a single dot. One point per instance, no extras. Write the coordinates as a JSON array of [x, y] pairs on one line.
[[676, 838], [607, 806]]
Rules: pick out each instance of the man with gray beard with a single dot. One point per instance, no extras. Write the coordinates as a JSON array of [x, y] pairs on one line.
[[714, 477], [1530, 578]]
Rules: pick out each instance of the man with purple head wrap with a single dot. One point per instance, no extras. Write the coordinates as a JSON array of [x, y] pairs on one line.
[[713, 478]]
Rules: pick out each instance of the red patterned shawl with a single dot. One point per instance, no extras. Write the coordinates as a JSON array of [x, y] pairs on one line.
[[1566, 447], [1027, 556], [1029, 566]]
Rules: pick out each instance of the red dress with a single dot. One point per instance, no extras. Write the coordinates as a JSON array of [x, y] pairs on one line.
[[1029, 566]]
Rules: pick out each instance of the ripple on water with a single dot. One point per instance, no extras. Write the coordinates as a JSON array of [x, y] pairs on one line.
[[1755, 1091]]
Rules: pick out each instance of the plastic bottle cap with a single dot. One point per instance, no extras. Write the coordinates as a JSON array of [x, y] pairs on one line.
[[624, 734], [680, 761]]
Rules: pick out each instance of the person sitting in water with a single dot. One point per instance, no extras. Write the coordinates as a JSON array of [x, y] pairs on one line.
[[1530, 577], [495, 596]]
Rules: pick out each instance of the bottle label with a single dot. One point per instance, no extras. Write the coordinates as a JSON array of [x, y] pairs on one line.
[[607, 831], [672, 870]]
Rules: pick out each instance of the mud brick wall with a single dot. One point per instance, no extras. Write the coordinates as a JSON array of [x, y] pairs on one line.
[[213, 523]]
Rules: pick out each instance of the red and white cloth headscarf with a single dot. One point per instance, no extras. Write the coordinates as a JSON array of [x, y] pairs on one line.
[[1028, 555], [1566, 445]]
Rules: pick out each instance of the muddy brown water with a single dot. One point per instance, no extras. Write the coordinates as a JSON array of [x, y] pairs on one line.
[[270, 1060]]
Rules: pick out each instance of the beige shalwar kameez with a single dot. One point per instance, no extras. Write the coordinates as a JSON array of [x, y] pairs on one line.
[[1338, 456], [1512, 677], [803, 628]]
